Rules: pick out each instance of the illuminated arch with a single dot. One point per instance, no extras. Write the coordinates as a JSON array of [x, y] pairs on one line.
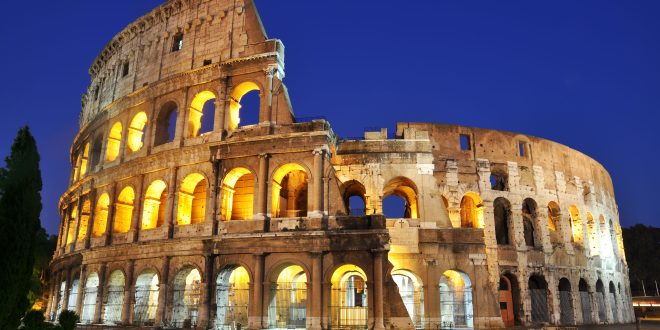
[[71, 231], [411, 290], [238, 195], [348, 300], [407, 190], [146, 298], [101, 215], [192, 200], [124, 210], [576, 224], [472, 211], [289, 191], [89, 298], [288, 298], [186, 297], [554, 215], [114, 142], [155, 199], [113, 301], [84, 219], [456, 299], [232, 297], [235, 102], [135, 137], [352, 190], [83, 161], [196, 114]]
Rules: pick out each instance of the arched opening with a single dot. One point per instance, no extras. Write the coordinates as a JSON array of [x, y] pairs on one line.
[[538, 294], [135, 138], [73, 295], [232, 298], [166, 124], [155, 199], [594, 239], [114, 142], [71, 226], [509, 300], [238, 195], [600, 299], [529, 220], [247, 116], [89, 298], [186, 294], [101, 215], [124, 210], [289, 191], [472, 211], [84, 219], [585, 302], [455, 300], [613, 303], [192, 200], [354, 194], [95, 152], [60, 301], [113, 301], [146, 299], [554, 218], [502, 214], [348, 299], [576, 224], [499, 181], [411, 291], [288, 299], [83, 161], [405, 189], [565, 302], [202, 114]]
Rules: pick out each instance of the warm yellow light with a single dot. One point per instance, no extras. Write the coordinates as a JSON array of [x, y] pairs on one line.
[[101, 215], [405, 188], [238, 195], [455, 278], [114, 142], [553, 215], [235, 103], [136, 132], [472, 211], [83, 161], [72, 225], [577, 223], [196, 112], [84, 220], [295, 184], [344, 271], [154, 205], [192, 200], [124, 210]]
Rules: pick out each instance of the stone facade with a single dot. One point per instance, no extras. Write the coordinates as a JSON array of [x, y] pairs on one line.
[[179, 214]]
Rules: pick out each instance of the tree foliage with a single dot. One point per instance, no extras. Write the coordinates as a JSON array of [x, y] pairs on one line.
[[642, 244], [20, 206]]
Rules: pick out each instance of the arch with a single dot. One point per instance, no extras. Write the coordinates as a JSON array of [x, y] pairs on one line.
[[101, 215], [576, 224], [60, 301], [235, 102], [114, 142], [238, 194], [565, 302], [166, 124], [113, 301], [146, 298], [153, 210], [529, 214], [95, 151], [287, 308], [71, 226], [411, 290], [600, 299], [585, 302], [554, 217], [509, 300], [348, 299], [89, 299], [73, 294], [354, 195], [456, 300], [192, 200], [538, 291], [499, 180], [502, 214], [186, 294], [472, 211], [83, 161], [232, 297], [594, 239], [289, 191], [84, 219], [135, 137], [613, 302], [201, 114], [124, 210], [407, 190]]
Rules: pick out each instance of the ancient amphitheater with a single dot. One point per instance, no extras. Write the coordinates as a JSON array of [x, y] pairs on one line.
[[181, 213]]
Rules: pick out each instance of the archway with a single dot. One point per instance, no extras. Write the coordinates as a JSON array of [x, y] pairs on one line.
[[89, 298], [155, 199], [101, 215], [348, 299], [135, 137], [594, 239], [124, 210], [202, 114], [232, 298], [73, 295], [71, 225], [113, 302], [354, 195], [600, 299], [114, 142], [411, 291], [192, 200], [472, 211], [585, 302], [576, 224], [235, 105], [554, 219], [238, 195], [288, 299], [529, 222], [456, 300], [405, 189], [84, 219], [502, 214], [565, 302], [538, 294], [186, 295], [60, 301], [146, 299], [289, 191], [613, 303], [509, 300], [166, 124]]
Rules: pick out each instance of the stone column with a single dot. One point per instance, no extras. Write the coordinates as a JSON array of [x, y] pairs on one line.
[[378, 289], [219, 116], [52, 305], [261, 210], [67, 287], [81, 291], [256, 310], [317, 294], [138, 204], [170, 216], [110, 222], [163, 292], [78, 221], [92, 214], [100, 295], [317, 186], [128, 297], [205, 299]]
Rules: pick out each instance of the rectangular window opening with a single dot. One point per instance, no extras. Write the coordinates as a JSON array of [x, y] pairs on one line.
[[124, 71], [177, 42], [465, 142], [522, 149], [207, 62]]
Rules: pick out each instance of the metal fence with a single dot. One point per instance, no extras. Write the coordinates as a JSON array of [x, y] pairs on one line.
[[602, 314], [539, 305], [288, 306], [348, 308], [113, 304], [565, 307], [232, 306], [146, 305], [585, 301], [89, 305], [455, 309], [185, 304]]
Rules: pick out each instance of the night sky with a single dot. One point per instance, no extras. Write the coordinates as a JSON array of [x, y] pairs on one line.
[[582, 73]]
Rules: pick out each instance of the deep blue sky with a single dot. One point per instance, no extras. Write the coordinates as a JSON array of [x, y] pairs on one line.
[[583, 73]]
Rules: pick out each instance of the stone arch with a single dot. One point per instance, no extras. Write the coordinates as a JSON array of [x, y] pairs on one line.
[[287, 307], [538, 292], [113, 301], [354, 190], [95, 151], [90, 292], [576, 224], [456, 308], [124, 210], [202, 113], [348, 298], [411, 290], [472, 211], [600, 299], [101, 215], [85, 212], [613, 302], [289, 191], [502, 214], [407, 190], [146, 298], [232, 297], [235, 102], [71, 224], [82, 169], [238, 194], [135, 135], [585, 301], [554, 220], [509, 290], [192, 199], [165, 129], [74, 289], [565, 302], [114, 142], [155, 200], [186, 297], [529, 214]]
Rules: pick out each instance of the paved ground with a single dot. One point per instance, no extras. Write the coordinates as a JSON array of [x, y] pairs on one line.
[[655, 324]]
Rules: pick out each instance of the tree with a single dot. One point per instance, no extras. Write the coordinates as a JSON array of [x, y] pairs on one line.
[[20, 206], [642, 244]]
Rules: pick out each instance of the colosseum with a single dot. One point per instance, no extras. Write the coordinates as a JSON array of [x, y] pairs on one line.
[[183, 213]]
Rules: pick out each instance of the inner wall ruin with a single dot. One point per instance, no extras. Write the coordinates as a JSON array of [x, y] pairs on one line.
[[190, 208]]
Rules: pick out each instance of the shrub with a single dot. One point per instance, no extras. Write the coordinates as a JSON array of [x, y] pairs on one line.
[[68, 320]]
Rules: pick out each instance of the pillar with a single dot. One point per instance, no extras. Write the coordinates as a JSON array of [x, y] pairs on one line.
[[110, 222], [81, 290], [67, 287], [92, 214], [262, 188], [163, 292], [317, 186], [378, 289], [138, 204], [317, 294], [78, 221], [206, 294], [99, 295], [169, 212], [128, 289], [256, 310]]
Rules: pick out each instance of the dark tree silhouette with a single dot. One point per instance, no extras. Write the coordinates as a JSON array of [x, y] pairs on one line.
[[642, 244]]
